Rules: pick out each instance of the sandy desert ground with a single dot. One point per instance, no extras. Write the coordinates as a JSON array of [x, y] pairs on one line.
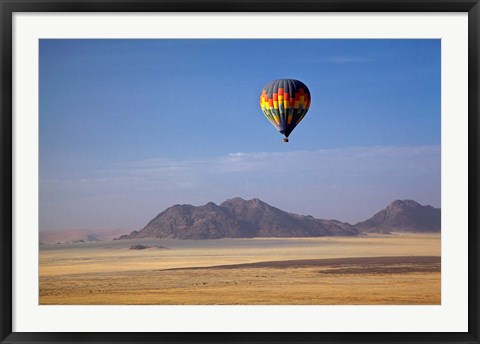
[[374, 269]]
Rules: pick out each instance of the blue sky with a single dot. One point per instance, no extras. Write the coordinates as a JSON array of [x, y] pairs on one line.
[[130, 127]]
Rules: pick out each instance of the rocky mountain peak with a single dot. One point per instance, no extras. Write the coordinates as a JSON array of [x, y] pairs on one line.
[[399, 204], [236, 218], [403, 216], [209, 206]]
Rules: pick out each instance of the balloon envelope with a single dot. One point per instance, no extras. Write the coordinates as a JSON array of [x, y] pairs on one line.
[[285, 102]]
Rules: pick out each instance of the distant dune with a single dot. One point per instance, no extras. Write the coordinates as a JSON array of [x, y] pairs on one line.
[[78, 235]]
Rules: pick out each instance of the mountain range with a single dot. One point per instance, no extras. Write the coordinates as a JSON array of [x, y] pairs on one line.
[[239, 218]]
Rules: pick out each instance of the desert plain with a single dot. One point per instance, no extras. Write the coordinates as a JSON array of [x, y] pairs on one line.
[[370, 269]]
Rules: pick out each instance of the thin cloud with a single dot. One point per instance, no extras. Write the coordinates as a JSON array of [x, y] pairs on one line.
[[324, 164]]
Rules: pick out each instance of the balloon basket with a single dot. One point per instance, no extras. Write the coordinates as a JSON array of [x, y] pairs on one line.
[[285, 140]]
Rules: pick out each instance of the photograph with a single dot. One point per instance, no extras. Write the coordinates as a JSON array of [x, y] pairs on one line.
[[239, 171]]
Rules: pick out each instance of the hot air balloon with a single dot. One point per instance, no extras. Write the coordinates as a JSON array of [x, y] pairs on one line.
[[285, 102]]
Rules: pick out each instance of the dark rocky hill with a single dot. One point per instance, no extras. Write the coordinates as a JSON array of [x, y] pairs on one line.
[[403, 216], [237, 218]]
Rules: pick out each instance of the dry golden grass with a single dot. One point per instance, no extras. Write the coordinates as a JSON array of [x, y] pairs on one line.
[[96, 274]]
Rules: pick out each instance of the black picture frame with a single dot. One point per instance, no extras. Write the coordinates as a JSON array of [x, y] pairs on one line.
[[9, 7]]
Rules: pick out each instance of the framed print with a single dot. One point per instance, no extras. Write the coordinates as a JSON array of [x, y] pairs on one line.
[[225, 172]]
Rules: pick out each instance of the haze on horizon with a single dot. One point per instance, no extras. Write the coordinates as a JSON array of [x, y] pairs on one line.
[[131, 127]]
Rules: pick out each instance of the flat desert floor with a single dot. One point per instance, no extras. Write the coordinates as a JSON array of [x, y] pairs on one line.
[[366, 270]]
